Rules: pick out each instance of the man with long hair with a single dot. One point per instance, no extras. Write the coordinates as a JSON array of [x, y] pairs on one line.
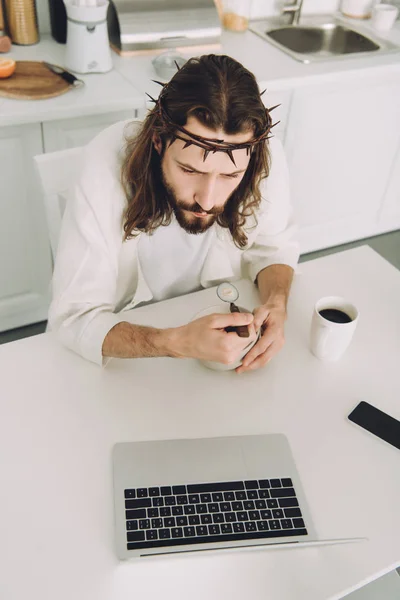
[[196, 194]]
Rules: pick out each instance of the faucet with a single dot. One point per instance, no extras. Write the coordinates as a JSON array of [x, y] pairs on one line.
[[293, 10]]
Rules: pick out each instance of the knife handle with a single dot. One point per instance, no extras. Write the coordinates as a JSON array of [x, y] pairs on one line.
[[68, 77], [241, 330]]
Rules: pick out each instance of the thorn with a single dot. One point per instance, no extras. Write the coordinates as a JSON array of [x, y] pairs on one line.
[[248, 150], [159, 82], [177, 66], [274, 124], [263, 92], [230, 154], [172, 140], [273, 108], [188, 143], [151, 98], [206, 153]]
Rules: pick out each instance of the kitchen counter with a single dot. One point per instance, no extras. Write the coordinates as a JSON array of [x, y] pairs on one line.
[[124, 87]]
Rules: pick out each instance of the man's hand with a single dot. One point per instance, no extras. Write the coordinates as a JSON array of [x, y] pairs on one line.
[[206, 338], [271, 319]]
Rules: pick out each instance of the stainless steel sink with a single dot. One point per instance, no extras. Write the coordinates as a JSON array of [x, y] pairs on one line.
[[314, 41]]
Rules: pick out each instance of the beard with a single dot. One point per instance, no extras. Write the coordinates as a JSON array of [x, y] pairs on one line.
[[184, 212]]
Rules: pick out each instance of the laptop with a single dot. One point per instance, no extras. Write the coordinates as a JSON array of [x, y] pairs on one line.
[[219, 493]]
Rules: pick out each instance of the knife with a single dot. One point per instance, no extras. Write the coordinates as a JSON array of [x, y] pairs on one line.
[[66, 75]]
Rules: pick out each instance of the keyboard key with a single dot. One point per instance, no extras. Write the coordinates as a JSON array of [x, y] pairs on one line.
[[286, 502], [283, 493], [286, 523], [201, 508], [278, 513], [178, 489], [287, 482], [136, 514], [194, 498], [264, 483], [139, 503], [205, 519], [189, 509], [181, 499], [251, 485], [214, 529], [218, 518], [262, 526], [130, 493], [205, 498], [250, 526], [252, 495], [238, 527], [230, 517], [275, 483], [237, 506], [240, 495], [156, 523], [242, 516], [152, 513], [263, 494], [181, 521], [228, 496], [201, 530], [298, 523], [144, 524], [164, 534], [154, 491], [169, 500], [169, 522], [213, 507], [159, 501], [189, 531], [218, 497], [254, 515], [166, 490], [142, 493], [215, 487], [151, 534], [273, 503], [249, 505], [176, 532], [165, 511], [274, 524], [260, 504], [225, 506], [135, 536], [132, 525], [194, 520], [292, 512], [177, 510], [226, 528], [266, 514]]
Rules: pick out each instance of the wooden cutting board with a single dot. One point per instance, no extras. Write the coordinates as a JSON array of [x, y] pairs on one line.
[[31, 80]]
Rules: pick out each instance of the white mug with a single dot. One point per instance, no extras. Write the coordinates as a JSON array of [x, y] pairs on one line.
[[360, 9], [329, 339], [384, 16]]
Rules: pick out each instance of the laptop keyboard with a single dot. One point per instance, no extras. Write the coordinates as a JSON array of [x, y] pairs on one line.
[[212, 512]]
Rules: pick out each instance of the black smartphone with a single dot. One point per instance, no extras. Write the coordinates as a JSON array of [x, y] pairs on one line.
[[377, 422]]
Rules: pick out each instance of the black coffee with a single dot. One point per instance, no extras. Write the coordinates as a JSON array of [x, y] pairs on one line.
[[335, 315]]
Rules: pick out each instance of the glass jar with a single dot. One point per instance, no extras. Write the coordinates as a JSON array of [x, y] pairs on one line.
[[236, 14]]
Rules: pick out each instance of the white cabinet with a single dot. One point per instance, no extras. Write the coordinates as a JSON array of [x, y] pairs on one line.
[[25, 261], [341, 144], [72, 133]]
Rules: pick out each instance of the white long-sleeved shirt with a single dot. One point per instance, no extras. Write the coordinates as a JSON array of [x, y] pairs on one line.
[[98, 276]]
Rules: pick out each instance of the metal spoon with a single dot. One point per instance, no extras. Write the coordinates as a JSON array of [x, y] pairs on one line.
[[228, 293]]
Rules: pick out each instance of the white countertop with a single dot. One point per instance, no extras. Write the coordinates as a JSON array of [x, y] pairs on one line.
[[124, 87]]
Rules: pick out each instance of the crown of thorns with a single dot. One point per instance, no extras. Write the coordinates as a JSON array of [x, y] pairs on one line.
[[208, 144]]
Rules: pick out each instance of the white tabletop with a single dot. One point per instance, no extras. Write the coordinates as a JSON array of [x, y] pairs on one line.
[[60, 416]]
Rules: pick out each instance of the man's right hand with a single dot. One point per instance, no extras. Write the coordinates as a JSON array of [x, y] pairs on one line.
[[206, 338]]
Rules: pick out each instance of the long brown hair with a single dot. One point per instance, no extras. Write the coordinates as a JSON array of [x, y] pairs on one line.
[[221, 94]]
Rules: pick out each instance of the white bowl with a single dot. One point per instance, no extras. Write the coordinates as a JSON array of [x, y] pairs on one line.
[[224, 309]]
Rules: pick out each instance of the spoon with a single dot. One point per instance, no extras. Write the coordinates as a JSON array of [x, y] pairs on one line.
[[228, 293]]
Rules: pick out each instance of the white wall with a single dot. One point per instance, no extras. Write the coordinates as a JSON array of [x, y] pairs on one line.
[[260, 8]]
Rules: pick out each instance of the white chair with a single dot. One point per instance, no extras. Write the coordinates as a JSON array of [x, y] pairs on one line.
[[57, 172]]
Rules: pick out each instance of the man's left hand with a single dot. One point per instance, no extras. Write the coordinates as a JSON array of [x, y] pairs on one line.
[[271, 320]]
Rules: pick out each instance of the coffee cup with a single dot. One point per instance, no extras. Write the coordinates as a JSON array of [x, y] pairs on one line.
[[224, 309], [384, 16], [333, 323]]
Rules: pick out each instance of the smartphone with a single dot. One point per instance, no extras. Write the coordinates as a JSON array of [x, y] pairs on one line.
[[377, 422]]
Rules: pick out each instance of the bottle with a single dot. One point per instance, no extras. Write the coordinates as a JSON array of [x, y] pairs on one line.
[[236, 14], [58, 20]]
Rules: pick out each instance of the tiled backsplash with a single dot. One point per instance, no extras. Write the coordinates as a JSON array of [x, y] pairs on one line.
[[260, 8]]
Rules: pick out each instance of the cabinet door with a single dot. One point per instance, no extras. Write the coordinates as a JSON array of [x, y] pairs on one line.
[[25, 259], [389, 218], [341, 141], [72, 133]]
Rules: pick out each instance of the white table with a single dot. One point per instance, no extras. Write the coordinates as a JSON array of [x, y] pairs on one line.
[[60, 416]]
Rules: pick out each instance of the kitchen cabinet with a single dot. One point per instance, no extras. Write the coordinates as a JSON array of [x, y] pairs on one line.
[[341, 143], [25, 261]]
